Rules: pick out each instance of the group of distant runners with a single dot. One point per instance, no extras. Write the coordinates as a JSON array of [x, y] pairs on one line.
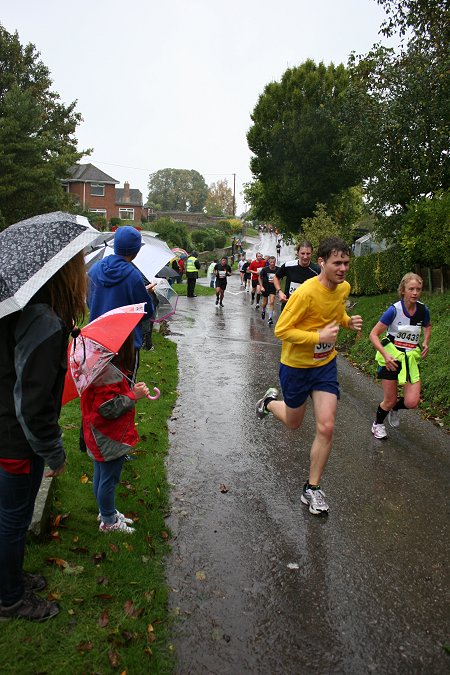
[[313, 308]]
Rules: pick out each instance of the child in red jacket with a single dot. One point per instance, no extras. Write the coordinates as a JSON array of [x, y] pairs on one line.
[[107, 409]]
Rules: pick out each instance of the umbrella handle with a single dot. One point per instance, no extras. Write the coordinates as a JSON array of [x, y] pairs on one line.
[[157, 392]]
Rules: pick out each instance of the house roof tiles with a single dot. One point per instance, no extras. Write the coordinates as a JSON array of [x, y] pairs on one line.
[[88, 173], [134, 200]]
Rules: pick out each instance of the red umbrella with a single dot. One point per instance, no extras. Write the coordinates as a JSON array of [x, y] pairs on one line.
[[96, 345]]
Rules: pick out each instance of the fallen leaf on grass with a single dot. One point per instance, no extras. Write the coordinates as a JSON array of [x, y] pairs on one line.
[[103, 620], [128, 546], [84, 478], [113, 659], [148, 651], [165, 535], [59, 562], [131, 610], [78, 601], [114, 548], [54, 596], [57, 520], [200, 576], [55, 534], [103, 596], [98, 558], [73, 569], [149, 595], [102, 581], [83, 647]]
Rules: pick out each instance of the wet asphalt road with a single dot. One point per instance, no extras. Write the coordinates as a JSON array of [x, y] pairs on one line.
[[261, 586]]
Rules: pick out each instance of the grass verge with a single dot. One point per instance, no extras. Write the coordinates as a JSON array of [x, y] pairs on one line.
[[181, 289], [111, 588], [435, 369]]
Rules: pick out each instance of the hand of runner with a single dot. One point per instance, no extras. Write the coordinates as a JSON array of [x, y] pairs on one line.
[[329, 333], [356, 322], [391, 363]]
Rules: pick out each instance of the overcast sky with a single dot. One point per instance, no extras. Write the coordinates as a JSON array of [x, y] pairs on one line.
[[173, 83]]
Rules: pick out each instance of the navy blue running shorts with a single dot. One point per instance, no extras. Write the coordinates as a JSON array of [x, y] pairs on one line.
[[298, 383]]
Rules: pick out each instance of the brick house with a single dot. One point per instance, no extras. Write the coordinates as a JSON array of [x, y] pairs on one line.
[[96, 192]]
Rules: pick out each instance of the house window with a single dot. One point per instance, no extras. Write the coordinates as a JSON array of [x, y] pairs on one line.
[[99, 212], [97, 190], [126, 214], [65, 187]]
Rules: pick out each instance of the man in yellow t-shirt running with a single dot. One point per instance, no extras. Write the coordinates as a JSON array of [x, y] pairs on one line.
[[308, 328]]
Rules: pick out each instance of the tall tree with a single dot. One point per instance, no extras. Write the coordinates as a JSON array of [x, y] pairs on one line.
[[220, 201], [427, 20], [37, 142], [177, 190], [399, 107], [319, 226], [297, 141], [260, 208]]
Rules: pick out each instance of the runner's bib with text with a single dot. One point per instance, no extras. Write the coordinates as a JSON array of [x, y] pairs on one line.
[[407, 337], [323, 350]]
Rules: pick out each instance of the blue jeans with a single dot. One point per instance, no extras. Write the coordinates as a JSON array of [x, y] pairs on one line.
[[106, 478], [17, 496]]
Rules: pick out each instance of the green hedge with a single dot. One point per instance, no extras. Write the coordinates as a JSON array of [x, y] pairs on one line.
[[377, 272], [209, 244]]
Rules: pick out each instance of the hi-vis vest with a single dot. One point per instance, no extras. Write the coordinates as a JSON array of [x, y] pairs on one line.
[[190, 264]]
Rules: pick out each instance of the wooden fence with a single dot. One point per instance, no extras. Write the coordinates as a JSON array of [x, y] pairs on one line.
[[434, 279]]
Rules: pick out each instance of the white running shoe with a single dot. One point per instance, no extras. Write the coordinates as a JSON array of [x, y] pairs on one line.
[[394, 418], [120, 516], [379, 430], [270, 395], [118, 526], [315, 499]]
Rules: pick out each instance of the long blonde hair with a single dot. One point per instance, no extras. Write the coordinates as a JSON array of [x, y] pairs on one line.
[[68, 291], [409, 276]]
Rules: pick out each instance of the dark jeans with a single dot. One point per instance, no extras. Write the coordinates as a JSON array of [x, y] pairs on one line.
[[106, 478], [17, 496]]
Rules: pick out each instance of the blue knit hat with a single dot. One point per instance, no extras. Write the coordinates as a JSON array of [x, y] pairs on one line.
[[127, 241]]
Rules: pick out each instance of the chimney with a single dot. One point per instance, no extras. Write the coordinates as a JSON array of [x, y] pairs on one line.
[[126, 192]]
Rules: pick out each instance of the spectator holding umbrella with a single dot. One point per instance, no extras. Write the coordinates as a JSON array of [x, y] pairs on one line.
[[114, 282], [42, 296]]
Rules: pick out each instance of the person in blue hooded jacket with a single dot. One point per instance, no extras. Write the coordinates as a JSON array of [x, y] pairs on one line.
[[114, 282]]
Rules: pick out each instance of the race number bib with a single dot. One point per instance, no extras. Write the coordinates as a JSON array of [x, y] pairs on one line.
[[322, 350], [407, 337], [222, 274], [270, 276], [293, 286]]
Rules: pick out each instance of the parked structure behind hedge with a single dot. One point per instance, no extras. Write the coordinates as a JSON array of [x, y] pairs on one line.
[[381, 273]]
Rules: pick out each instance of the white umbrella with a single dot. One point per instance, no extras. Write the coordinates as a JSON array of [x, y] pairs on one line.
[[167, 300], [152, 257], [33, 250]]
